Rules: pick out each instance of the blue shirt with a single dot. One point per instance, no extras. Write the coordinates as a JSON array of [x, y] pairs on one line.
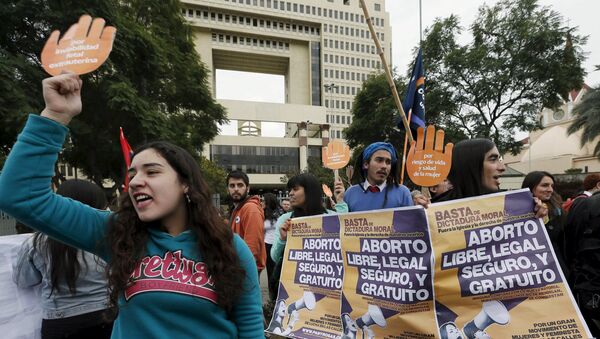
[[360, 199]]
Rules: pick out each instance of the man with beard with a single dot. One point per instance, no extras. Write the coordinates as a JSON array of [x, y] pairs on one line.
[[380, 187], [247, 217]]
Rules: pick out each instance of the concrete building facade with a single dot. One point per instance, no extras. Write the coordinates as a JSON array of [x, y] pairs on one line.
[[324, 50]]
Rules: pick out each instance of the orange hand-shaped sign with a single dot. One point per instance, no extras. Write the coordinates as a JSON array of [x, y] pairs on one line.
[[81, 50], [336, 155], [428, 165]]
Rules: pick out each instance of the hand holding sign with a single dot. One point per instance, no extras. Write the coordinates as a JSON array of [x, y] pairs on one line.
[[428, 165], [81, 50]]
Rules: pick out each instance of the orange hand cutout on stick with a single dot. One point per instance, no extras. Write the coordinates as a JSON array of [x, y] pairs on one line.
[[335, 156], [83, 48], [428, 165]]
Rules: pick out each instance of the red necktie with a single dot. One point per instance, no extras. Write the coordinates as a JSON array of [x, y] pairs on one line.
[[374, 188]]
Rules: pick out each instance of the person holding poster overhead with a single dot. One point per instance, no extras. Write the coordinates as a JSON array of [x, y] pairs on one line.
[[380, 187], [175, 270]]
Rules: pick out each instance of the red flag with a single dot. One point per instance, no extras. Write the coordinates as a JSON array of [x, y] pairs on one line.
[[127, 154]]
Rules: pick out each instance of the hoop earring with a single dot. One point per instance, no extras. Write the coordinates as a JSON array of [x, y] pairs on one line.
[[187, 197]]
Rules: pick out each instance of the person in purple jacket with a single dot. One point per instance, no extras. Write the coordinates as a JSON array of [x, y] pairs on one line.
[[175, 270]]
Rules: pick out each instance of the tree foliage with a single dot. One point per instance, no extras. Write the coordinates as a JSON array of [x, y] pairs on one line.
[[374, 113], [153, 84], [375, 116], [522, 58], [214, 175], [587, 118], [316, 168]]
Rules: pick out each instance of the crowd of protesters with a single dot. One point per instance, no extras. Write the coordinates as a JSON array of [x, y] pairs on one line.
[[167, 220]]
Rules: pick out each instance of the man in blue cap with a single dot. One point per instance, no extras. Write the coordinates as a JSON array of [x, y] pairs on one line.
[[380, 187]]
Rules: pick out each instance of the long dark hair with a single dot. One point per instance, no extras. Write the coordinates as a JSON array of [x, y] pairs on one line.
[[128, 235], [63, 260], [271, 209], [467, 166], [313, 195], [532, 179]]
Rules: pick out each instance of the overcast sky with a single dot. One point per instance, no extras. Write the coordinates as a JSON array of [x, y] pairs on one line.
[[404, 18]]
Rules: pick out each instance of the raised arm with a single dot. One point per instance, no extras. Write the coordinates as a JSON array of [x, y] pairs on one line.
[[25, 180]]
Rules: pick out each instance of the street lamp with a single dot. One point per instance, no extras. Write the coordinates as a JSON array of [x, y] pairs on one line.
[[329, 88]]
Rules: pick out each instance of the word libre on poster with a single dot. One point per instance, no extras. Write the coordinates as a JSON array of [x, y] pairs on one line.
[[83, 48]]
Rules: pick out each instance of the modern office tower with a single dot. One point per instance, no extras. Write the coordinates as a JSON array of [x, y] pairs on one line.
[[324, 50]]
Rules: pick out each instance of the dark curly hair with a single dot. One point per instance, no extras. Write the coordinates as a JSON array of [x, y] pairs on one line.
[[128, 235]]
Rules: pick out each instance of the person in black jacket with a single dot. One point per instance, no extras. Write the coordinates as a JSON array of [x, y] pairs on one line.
[[582, 256]]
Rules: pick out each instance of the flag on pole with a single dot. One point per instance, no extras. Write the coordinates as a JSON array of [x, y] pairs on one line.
[[415, 95], [127, 154]]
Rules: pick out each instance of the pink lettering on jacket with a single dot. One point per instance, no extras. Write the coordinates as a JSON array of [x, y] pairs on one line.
[[171, 273]]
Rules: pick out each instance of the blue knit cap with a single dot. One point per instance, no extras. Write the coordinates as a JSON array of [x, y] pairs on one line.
[[378, 146]]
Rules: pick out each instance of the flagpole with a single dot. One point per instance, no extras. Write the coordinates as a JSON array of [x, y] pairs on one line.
[[420, 24], [408, 131], [410, 112], [386, 69]]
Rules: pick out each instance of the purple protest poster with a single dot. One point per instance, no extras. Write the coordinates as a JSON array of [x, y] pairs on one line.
[[388, 282], [308, 300], [496, 274]]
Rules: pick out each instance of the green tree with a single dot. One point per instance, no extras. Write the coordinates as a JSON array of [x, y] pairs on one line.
[[316, 168], [522, 58], [153, 84], [587, 118], [374, 113], [214, 176]]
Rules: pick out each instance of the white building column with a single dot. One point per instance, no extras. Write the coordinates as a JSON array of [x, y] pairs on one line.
[[303, 145]]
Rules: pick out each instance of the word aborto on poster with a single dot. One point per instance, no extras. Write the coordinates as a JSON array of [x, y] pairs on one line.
[[480, 267]]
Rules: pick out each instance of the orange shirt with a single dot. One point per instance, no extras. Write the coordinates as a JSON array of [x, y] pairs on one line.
[[247, 220]]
